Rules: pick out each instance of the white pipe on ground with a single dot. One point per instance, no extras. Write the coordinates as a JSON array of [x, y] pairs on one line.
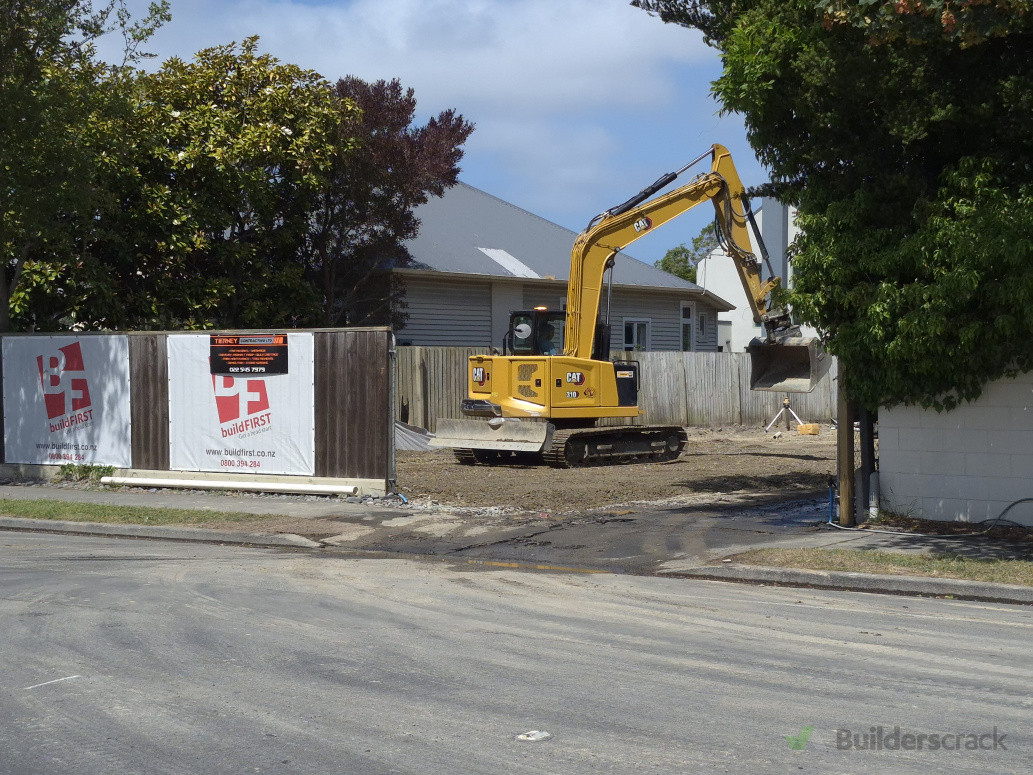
[[873, 495], [223, 484]]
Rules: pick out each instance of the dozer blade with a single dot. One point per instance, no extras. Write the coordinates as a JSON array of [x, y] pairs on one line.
[[794, 364], [511, 435]]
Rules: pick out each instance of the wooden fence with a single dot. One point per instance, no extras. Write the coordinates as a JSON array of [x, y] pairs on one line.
[[351, 396], [684, 388]]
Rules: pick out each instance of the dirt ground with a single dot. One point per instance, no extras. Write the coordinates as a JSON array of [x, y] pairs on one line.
[[717, 468], [715, 461]]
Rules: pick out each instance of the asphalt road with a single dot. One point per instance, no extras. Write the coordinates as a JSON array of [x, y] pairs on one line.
[[125, 656]]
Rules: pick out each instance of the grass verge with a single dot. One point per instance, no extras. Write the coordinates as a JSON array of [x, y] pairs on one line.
[[119, 515], [944, 566]]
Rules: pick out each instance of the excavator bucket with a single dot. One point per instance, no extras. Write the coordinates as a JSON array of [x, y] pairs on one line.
[[794, 364], [502, 436]]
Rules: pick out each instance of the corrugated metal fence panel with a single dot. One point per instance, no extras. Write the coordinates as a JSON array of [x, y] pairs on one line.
[[352, 400], [707, 389], [149, 402]]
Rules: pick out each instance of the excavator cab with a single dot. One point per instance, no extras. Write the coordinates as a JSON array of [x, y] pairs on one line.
[[790, 364], [535, 332]]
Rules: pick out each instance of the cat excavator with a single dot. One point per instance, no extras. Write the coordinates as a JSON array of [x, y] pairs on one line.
[[529, 402]]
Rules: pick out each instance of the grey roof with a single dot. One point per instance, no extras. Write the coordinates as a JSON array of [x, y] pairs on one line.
[[468, 231]]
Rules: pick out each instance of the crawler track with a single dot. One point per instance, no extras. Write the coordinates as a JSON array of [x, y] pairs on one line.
[[577, 447], [615, 445]]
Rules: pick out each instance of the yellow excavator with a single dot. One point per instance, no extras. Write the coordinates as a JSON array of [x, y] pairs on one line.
[[531, 402]]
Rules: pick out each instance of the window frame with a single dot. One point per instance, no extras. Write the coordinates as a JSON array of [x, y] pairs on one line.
[[636, 321], [689, 321]]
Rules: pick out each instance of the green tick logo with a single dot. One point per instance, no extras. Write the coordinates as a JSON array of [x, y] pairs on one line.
[[799, 742]]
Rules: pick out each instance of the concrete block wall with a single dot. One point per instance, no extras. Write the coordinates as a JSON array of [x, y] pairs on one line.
[[966, 465]]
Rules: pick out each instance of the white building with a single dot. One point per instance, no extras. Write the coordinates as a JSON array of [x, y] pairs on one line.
[[971, 464], [717, 274]]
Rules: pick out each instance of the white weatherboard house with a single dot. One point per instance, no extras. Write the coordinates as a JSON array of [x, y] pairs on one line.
[[716, 273], [479, 258], [971, 464]]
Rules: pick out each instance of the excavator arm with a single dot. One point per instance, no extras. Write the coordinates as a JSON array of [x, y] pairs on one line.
[[617, 228]]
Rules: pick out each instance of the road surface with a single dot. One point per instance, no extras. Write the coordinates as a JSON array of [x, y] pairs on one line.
[[124, 656]]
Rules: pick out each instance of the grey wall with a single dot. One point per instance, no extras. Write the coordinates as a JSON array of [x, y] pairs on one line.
[[445, 311], [455, 313]]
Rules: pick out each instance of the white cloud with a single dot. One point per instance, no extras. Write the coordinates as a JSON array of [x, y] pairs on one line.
[[571, 98], [528, 55]]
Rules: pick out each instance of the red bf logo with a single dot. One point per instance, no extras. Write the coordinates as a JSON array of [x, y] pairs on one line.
[[230, 392], [62, 392]]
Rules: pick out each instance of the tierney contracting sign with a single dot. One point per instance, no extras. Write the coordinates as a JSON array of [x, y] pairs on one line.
[[233, 354]]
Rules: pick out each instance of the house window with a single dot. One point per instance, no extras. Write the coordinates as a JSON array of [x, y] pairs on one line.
[[636, 335], [688, 335], [702, 324]]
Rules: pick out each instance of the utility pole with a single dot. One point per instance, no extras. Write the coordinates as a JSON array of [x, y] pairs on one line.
[[845, 451], [866, 420]]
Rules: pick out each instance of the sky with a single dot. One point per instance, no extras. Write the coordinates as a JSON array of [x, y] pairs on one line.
[[578, 104]]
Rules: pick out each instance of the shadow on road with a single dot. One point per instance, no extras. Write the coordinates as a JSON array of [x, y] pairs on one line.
[[784, 484], [786, 455]]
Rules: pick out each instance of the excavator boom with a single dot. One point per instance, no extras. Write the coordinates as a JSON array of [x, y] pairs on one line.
[[783, 360]]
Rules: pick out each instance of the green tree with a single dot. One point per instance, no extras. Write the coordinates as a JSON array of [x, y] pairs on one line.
[[683, 260], [54, 94], [365, 213], [209, 211], [901, 131]]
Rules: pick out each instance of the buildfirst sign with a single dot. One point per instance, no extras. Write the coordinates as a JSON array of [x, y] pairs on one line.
[[66, 400], [236, 407]]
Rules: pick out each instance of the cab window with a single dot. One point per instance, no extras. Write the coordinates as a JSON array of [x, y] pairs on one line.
[[523, 346], [556, 322]]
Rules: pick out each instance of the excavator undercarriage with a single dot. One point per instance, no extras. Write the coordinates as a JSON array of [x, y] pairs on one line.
[[565, 448]]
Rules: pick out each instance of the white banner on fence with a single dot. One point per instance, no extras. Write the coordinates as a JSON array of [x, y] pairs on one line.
[[66, 400], [258, 425]]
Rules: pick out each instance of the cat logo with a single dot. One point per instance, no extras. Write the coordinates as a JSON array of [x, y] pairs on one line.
[[575, 378], [643, 224], [479, 376]]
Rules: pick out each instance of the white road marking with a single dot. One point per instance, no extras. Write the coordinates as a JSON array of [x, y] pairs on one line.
[[47, 683]]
